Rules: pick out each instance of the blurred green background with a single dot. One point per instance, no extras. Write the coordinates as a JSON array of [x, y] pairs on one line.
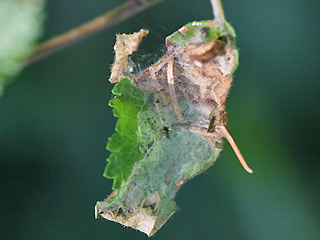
[[54, 125]]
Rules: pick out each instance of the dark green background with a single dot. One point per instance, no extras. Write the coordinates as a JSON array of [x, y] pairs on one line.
[[54, 125]]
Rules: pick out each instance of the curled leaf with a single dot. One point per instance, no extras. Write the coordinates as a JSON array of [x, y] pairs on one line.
[[125, 45], [178, 111]]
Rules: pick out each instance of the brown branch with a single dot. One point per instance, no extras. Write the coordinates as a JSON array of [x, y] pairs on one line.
[[116, 15]]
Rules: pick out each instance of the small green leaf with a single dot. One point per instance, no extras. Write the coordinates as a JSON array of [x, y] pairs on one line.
[[20, 27]]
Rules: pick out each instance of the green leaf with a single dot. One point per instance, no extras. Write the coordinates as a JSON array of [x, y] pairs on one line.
[[20, 27], [129, 101], [149, 166]]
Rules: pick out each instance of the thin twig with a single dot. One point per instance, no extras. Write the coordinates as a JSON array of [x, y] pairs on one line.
[[218, 12], [116, 15]]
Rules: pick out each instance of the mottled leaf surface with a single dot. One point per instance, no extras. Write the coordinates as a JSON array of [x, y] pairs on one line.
[[153, 151]]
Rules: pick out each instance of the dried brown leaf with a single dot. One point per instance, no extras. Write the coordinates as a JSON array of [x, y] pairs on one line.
[[125, 45]]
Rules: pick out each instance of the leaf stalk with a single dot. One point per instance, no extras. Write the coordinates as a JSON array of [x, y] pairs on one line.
[[218, 12]]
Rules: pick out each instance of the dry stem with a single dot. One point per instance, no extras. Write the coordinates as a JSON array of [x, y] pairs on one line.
[[172, 91], [234, 147]]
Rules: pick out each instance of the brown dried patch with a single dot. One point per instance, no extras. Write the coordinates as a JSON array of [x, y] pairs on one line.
[[125, 45], [202, 74], [141, 216], [183, 29]]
